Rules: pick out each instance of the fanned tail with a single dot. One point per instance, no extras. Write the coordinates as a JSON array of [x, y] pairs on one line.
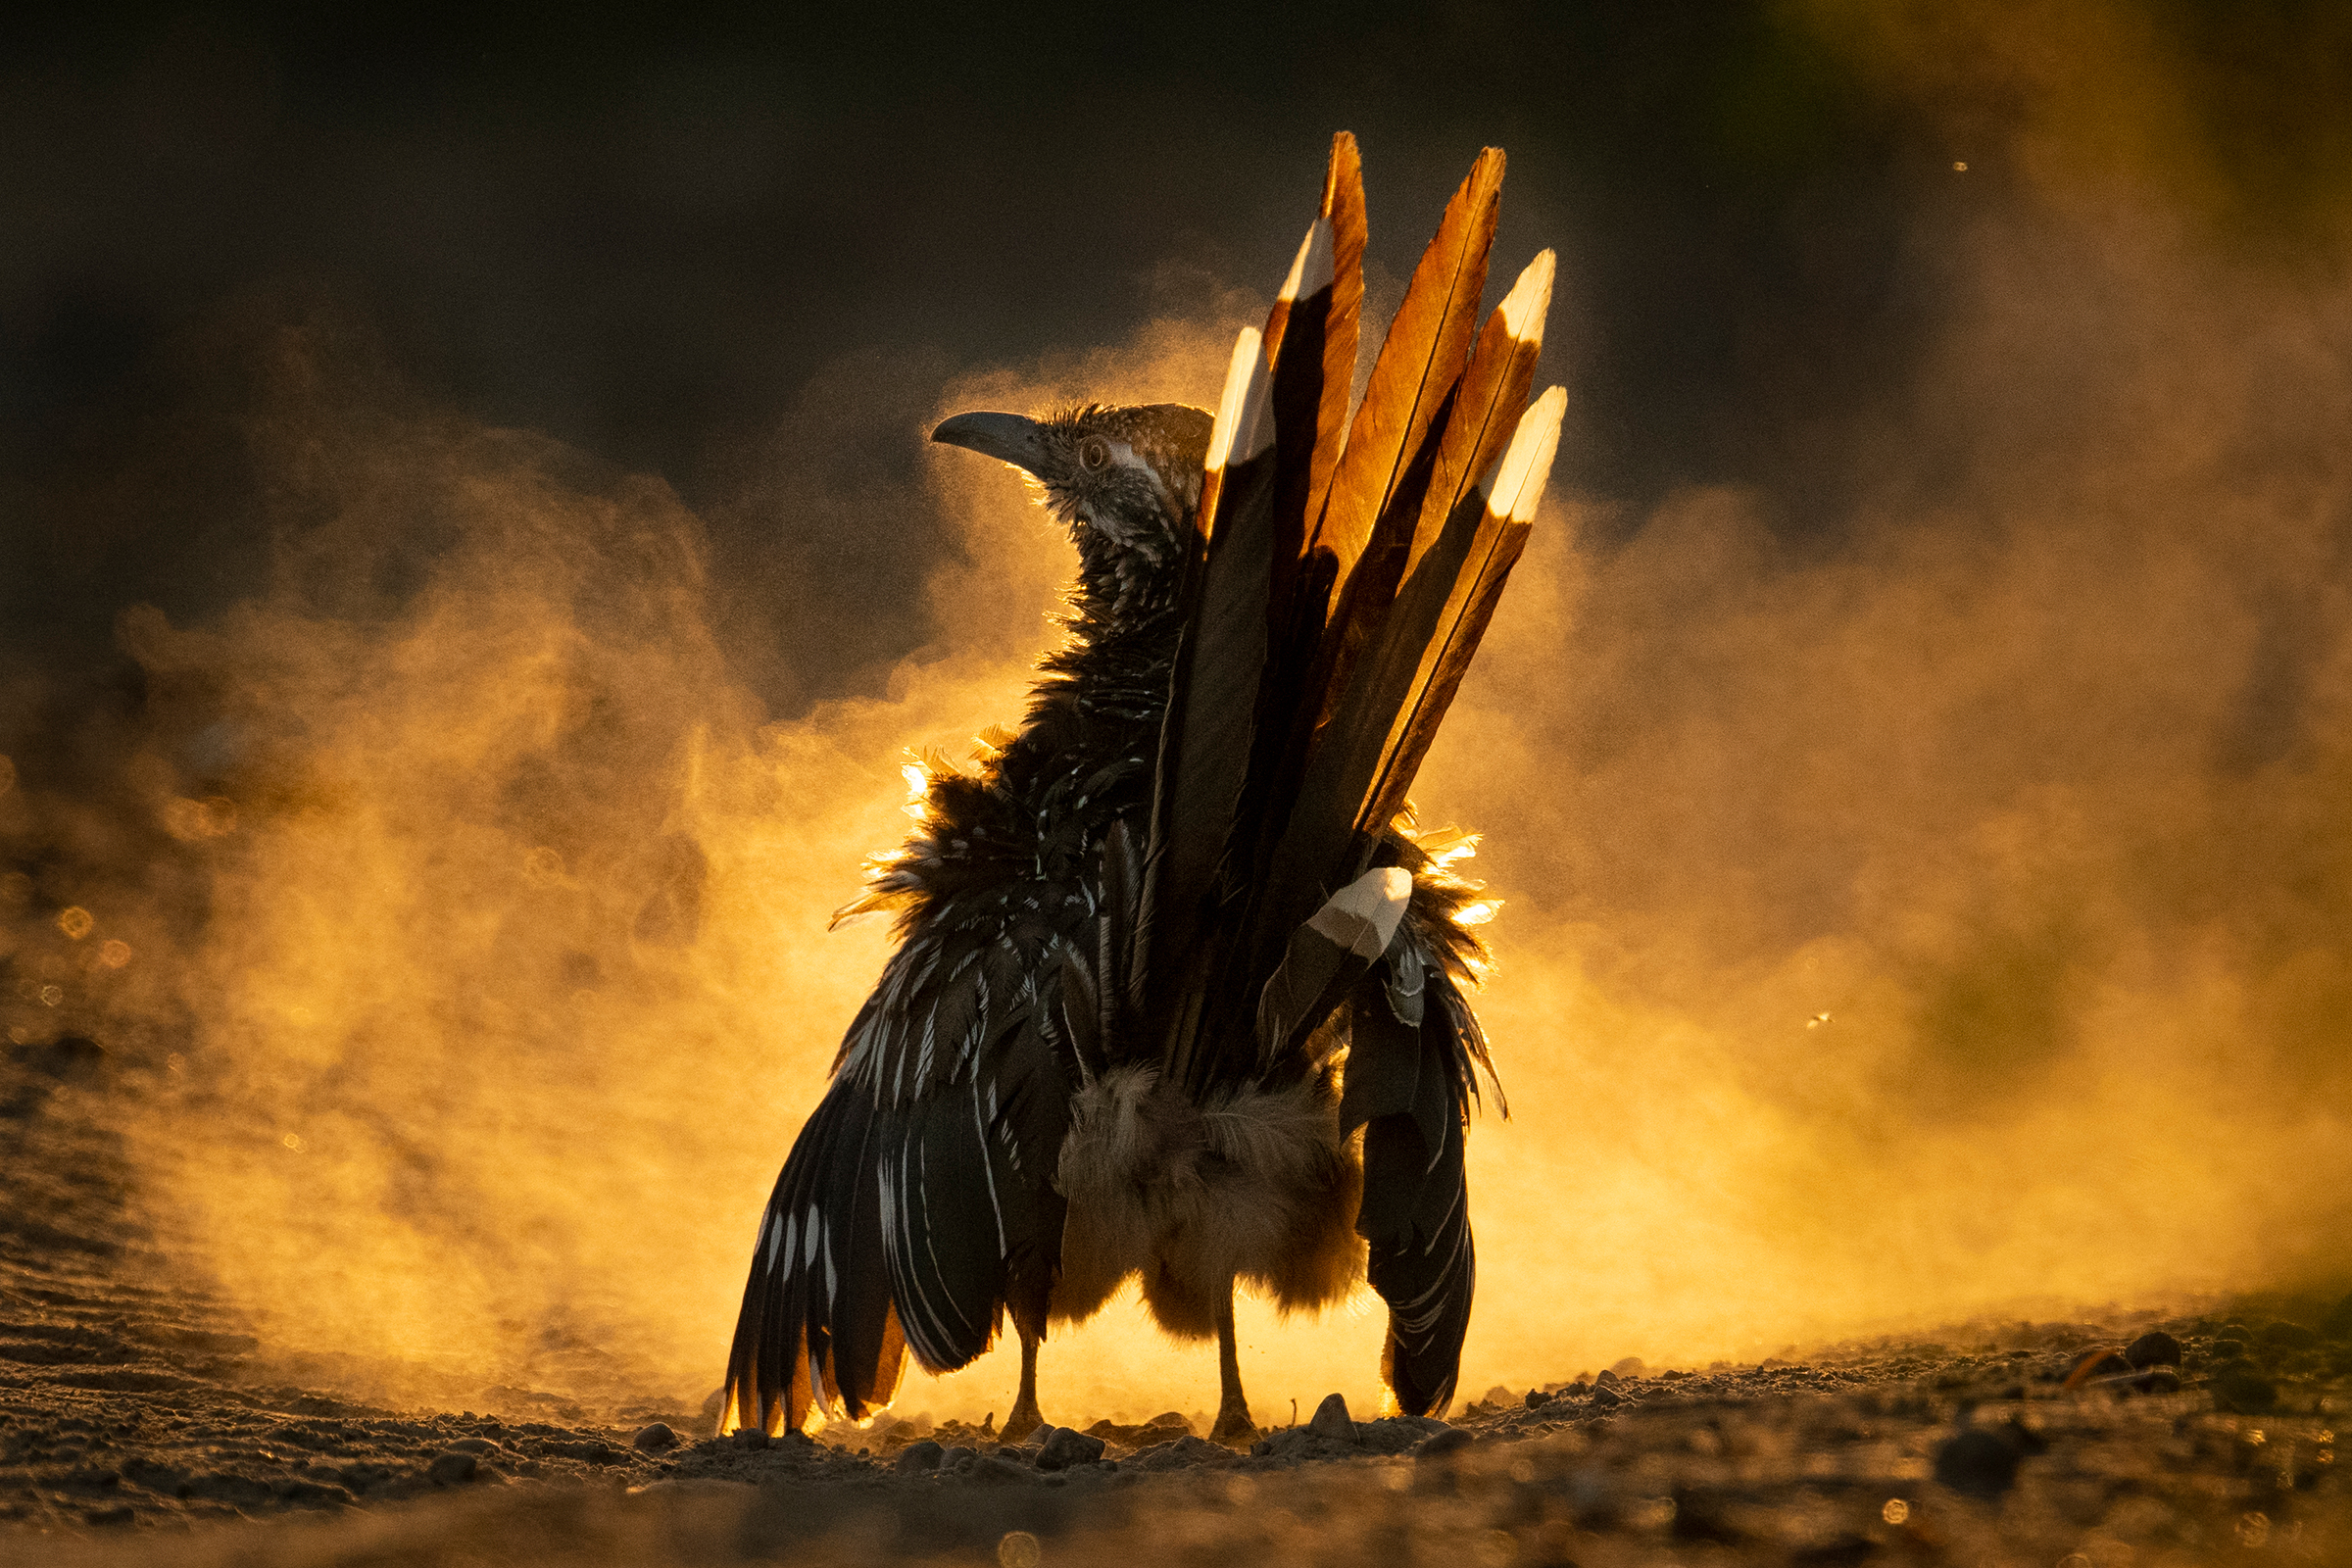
[[1355, 553], [1346, 574], [1369, 621]]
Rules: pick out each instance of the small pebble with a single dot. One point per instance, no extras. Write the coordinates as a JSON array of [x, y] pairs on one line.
[[1443, 1444], [1605, 1396], [2244, 1392], [956, 1457], [992, 1471], [2153, 1348], [451, 1469], [1331, 1420], [917, 1458], [1982, 1462], [654, 1439], [1064, 1447], [1537, 1398]]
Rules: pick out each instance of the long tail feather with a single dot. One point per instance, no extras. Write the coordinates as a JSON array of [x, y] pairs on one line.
[[1395, 448], [1420, 361], [1204, 742], [1311, 338], [1273, 452], [1495, 549]]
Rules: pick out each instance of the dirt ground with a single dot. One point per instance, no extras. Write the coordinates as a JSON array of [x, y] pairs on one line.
[[138, 1425]]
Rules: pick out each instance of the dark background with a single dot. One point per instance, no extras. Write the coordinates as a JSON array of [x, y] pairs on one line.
[[666, 236]]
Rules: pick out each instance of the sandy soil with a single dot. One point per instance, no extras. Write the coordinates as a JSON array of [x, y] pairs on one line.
[[137, 1424]]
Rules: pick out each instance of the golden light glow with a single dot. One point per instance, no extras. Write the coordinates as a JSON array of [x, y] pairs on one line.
[[518, 906]]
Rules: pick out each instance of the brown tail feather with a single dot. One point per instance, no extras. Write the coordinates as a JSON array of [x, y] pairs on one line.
[[1419, 362], [1493, 394], [1343, 210], [1504, 523]]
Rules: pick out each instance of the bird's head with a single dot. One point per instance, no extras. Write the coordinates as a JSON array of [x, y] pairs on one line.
[[1125, 480]]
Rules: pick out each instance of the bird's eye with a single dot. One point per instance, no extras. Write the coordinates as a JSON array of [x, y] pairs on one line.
[[1095, 453]]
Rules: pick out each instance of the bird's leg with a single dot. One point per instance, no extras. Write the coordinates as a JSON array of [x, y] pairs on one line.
[[1233, 1412], [1024, 1419]]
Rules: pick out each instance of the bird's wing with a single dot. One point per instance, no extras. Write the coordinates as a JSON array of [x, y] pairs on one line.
[[917, 1203], [1408, 1087]]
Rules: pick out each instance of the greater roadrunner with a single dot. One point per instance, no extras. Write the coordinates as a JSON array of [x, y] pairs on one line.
[[1170, 946]]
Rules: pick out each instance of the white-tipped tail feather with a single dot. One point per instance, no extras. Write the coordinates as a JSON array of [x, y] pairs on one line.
[[1311, 271], [1241, 430], [1519, 483], [1530, 299]]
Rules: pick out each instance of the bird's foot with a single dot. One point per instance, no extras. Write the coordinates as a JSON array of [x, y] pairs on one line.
[[1234, 1427], [1022, 1424]]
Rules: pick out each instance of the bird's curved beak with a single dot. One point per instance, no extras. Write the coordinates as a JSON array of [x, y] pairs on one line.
[[1007, 437]]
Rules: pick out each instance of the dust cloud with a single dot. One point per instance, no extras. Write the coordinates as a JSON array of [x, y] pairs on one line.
[[1928, 912], [1942, 915]]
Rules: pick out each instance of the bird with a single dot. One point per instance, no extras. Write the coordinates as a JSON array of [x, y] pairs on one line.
[[1180, 995]]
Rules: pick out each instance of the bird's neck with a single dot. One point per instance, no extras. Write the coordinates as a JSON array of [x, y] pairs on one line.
[[1122, 619]]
